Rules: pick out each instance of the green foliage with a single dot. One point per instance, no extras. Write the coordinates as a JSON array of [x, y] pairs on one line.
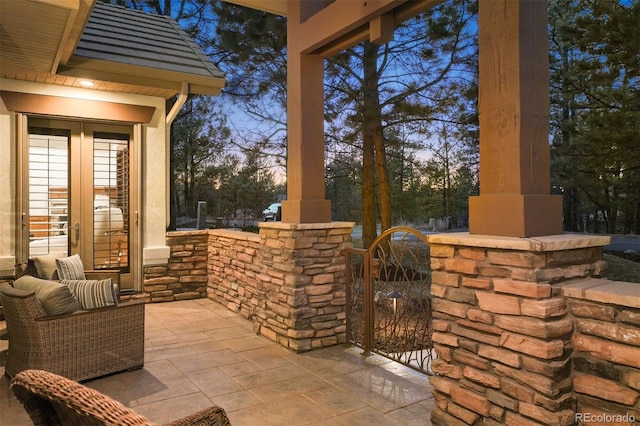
[[343, 177], [408, 192], [250, 48], [233, 188], [425, 103], [426, 76], [595, 48], [199, 136]]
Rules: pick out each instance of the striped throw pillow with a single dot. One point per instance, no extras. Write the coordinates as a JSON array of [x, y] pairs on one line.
[[70, 268], [93, 293]]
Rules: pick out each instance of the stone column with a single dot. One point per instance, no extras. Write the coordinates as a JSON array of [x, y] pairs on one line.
[[303, 284], [184, 276], [502, 331]]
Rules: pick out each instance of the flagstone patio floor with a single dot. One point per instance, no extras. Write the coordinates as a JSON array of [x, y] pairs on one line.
[[197, 353]]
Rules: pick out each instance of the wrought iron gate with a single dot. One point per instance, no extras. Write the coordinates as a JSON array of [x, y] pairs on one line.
[[388, 302]]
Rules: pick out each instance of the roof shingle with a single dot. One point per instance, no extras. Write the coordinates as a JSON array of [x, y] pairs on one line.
[[131, 37]]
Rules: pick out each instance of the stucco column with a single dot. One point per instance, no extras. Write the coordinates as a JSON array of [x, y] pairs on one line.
[[306, 201], [515, 195]]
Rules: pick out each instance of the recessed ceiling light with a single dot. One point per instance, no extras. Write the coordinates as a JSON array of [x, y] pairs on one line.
[[86, 83]]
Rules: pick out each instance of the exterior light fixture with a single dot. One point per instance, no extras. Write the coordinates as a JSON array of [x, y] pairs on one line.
[[87, 83]]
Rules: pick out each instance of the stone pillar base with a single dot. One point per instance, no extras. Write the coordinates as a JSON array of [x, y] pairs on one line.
[[501, 327], [302, 281]]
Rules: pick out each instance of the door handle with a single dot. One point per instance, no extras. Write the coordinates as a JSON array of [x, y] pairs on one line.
[[77, 229]]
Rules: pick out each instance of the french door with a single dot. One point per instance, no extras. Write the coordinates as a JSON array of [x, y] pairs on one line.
[[81, 193]]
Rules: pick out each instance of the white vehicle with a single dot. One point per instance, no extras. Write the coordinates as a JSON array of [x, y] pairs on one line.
[[273, 212]]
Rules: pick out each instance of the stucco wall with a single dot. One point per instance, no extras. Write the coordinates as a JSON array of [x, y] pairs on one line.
[[153, 180], [7, 190]]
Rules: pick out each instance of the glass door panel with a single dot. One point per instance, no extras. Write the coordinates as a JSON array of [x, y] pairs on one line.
[[79, 193], [48, 194], [111, 201]]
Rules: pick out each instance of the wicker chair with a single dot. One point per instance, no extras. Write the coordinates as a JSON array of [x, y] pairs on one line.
[[81, 345], [54, 400]]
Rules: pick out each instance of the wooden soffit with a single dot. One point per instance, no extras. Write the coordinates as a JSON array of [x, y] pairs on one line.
[[40, 41], [38, 35]]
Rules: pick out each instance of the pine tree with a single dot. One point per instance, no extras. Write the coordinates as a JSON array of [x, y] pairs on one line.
[[411, 82], [595, 49]]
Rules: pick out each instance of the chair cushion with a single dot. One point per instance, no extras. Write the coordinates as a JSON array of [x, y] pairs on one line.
[[54, 297], [93, 293], [46, 266], [70, 268]]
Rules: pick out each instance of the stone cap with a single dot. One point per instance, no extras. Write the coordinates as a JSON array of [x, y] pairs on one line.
[[603, 291], [303, 226], [534, 244], [235, 234]]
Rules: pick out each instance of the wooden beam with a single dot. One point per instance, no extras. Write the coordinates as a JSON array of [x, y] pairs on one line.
[[413, 8], [277, 7], [343, 23], [381, 28], [400, 14], [305, 201], [514, 198], [338, 20]]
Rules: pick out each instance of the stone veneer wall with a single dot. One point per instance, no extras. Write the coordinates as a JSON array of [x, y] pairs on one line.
[[606, 345], [289, 280], [185, 276], [503, 331], [525, 335], [236, 274]]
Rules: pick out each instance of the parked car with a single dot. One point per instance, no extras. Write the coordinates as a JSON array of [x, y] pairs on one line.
[[273, 212]]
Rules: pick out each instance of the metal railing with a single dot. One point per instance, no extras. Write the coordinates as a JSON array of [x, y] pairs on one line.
[[388, 298]]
